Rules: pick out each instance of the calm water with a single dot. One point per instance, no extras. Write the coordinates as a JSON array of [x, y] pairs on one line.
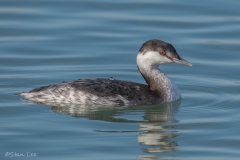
[[46, 42]]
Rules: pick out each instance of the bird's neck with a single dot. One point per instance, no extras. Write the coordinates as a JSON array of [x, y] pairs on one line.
[[159, 83]]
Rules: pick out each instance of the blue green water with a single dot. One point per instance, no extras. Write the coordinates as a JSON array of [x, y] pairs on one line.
[[47, 42]]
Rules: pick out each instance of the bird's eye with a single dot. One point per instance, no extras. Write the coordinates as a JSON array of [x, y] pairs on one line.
[[162, 53]]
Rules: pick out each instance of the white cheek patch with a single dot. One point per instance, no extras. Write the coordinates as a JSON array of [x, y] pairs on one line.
[[152, 58]]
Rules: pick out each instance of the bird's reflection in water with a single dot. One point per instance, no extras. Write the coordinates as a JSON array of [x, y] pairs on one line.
[[158, 130], [155, 126]]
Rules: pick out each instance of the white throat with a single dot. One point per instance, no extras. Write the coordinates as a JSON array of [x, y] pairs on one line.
[[158, 82]]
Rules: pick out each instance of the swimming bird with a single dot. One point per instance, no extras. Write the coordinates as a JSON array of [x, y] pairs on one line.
[[159, 89]]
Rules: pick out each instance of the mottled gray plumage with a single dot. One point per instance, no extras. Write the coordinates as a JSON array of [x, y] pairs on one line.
[[160, 88], [134, 93]]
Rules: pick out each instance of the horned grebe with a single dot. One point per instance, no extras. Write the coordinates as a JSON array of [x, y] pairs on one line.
[[160, 88]]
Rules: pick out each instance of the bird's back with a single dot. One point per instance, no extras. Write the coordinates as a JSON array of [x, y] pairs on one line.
[[94, 91]]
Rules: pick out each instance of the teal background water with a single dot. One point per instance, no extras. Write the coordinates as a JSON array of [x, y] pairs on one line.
[[46, 42]]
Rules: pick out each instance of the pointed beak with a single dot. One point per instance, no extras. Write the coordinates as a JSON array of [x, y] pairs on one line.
[[181, 61]]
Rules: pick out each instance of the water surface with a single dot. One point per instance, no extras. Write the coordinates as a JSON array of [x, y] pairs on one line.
[[47, 42]]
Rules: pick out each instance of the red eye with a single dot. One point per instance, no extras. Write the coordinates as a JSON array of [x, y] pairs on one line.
[[162, 53]]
